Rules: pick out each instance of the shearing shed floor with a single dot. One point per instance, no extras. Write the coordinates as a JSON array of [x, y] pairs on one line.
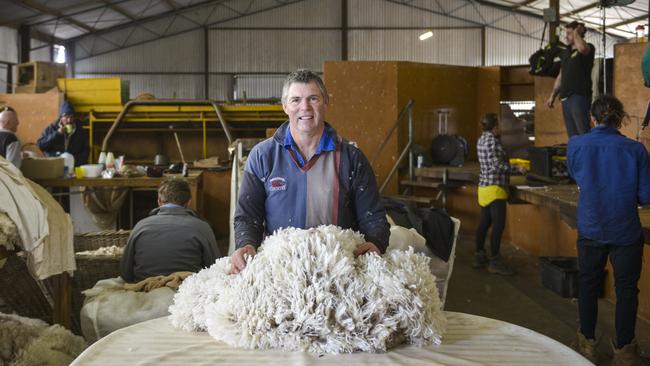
[[521, 299]]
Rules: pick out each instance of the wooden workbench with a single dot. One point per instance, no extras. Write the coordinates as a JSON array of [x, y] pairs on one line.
[[194, 179], [467, 173], [563, 198]]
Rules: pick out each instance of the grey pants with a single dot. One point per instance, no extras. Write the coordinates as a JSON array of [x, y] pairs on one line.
[[576, 114]]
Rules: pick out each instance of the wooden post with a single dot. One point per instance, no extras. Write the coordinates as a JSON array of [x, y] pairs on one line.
[[552, 30], [61, 314]]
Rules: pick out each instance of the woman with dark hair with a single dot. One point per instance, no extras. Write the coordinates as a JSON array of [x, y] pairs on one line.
[[613, 174], [492, 196]]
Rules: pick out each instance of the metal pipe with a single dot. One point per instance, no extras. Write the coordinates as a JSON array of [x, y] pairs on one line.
[[225, 127], [163, 102], [411, 173], [395, 166]]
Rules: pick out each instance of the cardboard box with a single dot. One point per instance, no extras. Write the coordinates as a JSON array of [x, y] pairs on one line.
[[42, 168]]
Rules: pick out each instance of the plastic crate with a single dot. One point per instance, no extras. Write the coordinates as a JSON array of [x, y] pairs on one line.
[[560, 275]]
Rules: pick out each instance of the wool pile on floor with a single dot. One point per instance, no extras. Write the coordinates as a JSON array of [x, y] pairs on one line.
[[305, 290]]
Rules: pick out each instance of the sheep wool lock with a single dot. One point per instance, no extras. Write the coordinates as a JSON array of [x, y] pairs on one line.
[[305, 290]]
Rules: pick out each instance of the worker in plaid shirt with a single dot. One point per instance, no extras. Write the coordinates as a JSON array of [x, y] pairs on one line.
[[492, 196]]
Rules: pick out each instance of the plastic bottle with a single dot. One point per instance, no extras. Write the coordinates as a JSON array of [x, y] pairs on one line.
[[68, 164], [110, 160]]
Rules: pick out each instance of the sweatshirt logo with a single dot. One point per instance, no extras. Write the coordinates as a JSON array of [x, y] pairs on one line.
[[278, 184]]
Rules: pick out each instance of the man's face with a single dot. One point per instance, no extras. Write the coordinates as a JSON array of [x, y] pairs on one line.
[[569, 35], [66, 119], [306, 107], [9, 120]]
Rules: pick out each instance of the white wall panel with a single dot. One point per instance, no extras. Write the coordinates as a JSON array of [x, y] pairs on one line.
[[40, 54], [272, 50], [183, 52], [9, 42], [502, 48], [259, 86], [162, 86], [4, 87], [221, 87], [452, 47]]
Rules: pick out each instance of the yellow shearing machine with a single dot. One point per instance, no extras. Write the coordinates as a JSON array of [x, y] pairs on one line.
[[104, 100]]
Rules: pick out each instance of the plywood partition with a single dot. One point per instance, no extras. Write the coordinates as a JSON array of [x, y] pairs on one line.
[[35, 112], [489, 95], [435, 87], [629, 88], [367, 97], [363, 107], [549, 123]]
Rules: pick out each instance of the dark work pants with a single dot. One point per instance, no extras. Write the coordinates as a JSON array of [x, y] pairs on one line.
[[626, 261], [576, 114], [493, 214]]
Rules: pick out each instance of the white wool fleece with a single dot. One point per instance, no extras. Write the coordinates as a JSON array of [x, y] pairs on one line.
[[305, 290]]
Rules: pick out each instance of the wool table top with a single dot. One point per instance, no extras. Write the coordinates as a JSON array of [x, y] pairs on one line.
[[470, 340]]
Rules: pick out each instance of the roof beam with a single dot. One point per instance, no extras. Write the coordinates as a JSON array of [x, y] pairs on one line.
[[626, 22], [171, 4], [523, 3], [140, 21], [580, 9], [49, 11], [119, 9], [27, 20]]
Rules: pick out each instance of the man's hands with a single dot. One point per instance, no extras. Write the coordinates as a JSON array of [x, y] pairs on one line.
[[366, 247], [550, 101], [237, 259]]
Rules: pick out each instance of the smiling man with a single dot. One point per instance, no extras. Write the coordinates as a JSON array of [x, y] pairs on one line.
[[306, 176]]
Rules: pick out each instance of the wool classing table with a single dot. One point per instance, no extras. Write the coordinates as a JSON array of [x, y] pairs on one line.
[[469, 340]]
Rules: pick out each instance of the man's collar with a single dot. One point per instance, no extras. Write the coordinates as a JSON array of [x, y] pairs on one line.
[[326, 143], [171, 205], [5, 130]]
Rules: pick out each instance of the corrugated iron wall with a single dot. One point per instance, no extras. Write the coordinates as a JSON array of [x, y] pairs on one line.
[[41, 51], [181, 53], [162, 86], [404, 45], [9, 42], [253, 53]]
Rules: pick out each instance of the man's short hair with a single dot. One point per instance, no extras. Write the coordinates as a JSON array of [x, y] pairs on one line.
[[7, 109], [489, 121], [174, 190], [575, 24], [304, 76], [608, 110]]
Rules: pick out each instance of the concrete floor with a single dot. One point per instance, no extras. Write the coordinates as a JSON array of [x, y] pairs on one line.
[[521, 299]]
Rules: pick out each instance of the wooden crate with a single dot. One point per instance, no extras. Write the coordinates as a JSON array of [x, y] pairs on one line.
[[38, 77]]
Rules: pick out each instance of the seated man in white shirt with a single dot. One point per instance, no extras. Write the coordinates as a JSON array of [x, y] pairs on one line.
[[9, 143]]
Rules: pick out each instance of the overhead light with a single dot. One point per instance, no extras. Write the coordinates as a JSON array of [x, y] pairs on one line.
[[426, 35]]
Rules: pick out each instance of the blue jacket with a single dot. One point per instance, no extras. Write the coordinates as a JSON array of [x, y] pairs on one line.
[[334, 187], [613, 174], [53, 143]]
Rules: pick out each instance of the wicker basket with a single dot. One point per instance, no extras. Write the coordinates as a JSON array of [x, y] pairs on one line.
[[91, 269], [96, 240]]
